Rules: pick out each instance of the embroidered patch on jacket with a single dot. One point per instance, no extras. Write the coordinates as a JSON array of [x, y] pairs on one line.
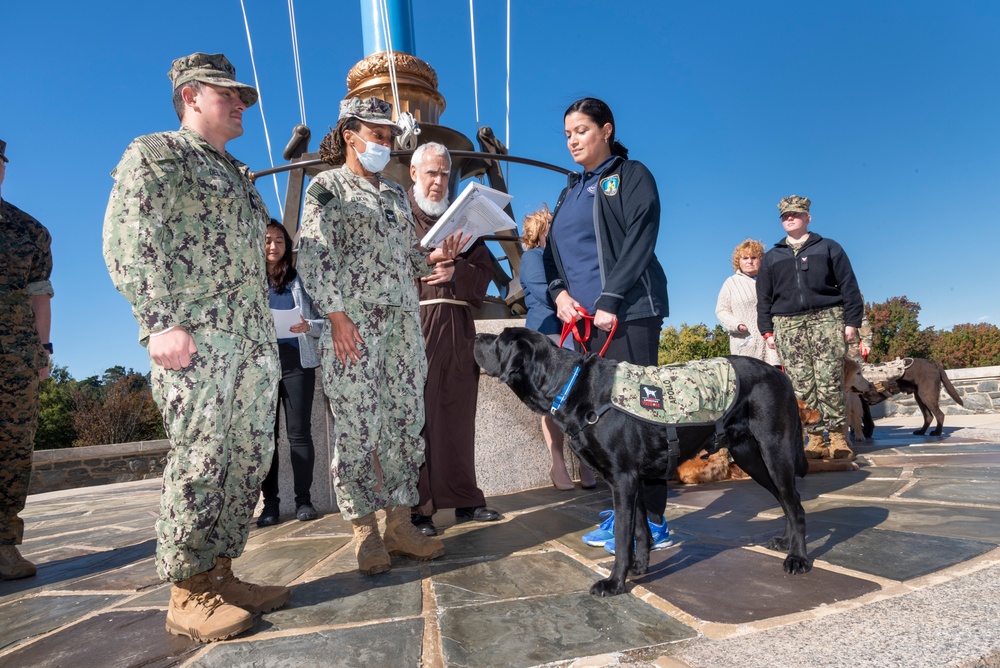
[[652, 397], [610, 185]]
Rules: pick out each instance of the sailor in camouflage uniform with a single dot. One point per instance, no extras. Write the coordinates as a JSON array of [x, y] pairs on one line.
[[358, 259], [808, 307], [183, 241], [25, 291]]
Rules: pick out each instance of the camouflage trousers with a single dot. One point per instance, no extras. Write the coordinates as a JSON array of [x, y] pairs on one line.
[[219, 417], [378, 410], [18, 421], [812, 347]]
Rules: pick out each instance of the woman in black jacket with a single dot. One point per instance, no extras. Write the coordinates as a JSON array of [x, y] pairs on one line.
[[601, 254]]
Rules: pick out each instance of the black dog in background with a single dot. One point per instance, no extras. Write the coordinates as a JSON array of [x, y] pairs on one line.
[[762, 432]]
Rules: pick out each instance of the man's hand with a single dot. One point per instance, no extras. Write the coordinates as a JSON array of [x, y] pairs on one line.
[[345, 337], [604, 320], [742, 328], [43, 373], [172, 350], [566, 308], [450, 248], [443, 273], [849, 333], [770, 340]]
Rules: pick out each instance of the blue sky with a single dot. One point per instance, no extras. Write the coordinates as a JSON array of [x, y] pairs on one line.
[[883, 113]]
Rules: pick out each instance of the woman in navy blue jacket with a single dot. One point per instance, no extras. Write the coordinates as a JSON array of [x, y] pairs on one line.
[[601, 255]]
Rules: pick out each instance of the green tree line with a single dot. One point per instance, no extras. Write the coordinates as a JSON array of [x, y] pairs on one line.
[[896, 332], [116, 407]]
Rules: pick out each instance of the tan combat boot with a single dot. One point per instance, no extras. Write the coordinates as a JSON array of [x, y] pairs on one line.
[[12, 565], [816, 446], [199, 613], [406, 540], [839, 448], [252, 598], [368, 546]]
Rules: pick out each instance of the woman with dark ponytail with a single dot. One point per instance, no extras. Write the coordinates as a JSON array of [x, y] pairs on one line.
[[601, 255]]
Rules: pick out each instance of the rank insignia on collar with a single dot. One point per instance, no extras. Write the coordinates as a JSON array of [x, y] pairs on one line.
[[610, 185]]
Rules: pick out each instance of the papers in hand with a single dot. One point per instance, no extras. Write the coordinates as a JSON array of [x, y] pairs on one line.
[[477, 211], [285, 320]]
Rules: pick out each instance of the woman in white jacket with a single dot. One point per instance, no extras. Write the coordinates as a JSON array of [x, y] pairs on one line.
[[736, 307]]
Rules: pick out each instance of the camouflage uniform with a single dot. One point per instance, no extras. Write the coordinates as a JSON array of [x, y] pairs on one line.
[[812, 347], [358, 255], [25, 265], [184, 243], [806, 294]]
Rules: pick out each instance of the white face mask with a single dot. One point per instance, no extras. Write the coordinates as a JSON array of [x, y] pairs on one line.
[[375, 157]]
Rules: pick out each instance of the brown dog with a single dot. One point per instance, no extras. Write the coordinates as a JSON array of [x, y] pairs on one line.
[[923, 379], [718, 466]]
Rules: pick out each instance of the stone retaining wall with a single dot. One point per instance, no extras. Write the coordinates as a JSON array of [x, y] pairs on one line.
[[90, 465], [979, 389]]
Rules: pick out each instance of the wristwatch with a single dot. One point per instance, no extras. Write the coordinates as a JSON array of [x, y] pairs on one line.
[[48, 347]]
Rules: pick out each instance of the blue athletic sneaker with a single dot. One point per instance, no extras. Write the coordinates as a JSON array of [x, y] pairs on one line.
[[603, 533], [661, 537]]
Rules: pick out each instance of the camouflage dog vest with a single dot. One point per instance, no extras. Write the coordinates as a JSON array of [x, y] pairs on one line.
[[696, 392], [883, 378]]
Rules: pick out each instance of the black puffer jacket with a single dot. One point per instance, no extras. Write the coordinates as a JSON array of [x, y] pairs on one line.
[[819, 277], [627, 222]]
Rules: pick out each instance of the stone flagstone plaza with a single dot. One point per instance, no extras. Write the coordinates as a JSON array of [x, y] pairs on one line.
[[906, 573]]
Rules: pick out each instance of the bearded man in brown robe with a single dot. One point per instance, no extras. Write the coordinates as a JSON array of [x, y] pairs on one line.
[[448, 475]]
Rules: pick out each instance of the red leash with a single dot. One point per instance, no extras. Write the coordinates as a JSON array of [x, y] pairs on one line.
[[586, 318]]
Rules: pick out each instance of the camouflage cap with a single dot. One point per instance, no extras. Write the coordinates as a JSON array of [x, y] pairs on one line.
[[3, 151], [210, 68], [793, 203], [369, 110]]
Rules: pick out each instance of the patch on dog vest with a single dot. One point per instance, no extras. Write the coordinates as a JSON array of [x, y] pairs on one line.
[[699, 391]]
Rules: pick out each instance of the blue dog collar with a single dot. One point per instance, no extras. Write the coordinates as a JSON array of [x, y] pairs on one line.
[[564, 392]]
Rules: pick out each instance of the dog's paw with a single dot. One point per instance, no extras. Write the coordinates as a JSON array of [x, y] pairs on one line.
[[607, 587], [639, 568], [797, 565], [779, 544], [920, 432]]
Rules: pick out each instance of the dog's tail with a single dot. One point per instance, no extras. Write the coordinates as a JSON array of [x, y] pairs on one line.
[[948, 387]]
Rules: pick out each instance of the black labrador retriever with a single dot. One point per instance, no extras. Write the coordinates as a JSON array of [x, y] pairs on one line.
[[762, 431]]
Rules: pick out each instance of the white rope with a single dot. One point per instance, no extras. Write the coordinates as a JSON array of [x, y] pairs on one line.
[[475, 74], [298, 63], [260, 102], [507, 165], [404, 119]]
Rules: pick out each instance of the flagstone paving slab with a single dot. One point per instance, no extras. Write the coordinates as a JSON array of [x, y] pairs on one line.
[[538, 630], [40, 614], [389, 645], [511, 577], [131, 577], [348, 598], [893, 554], [722, 584], [917, 517], [121, 638], [985, 492]]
